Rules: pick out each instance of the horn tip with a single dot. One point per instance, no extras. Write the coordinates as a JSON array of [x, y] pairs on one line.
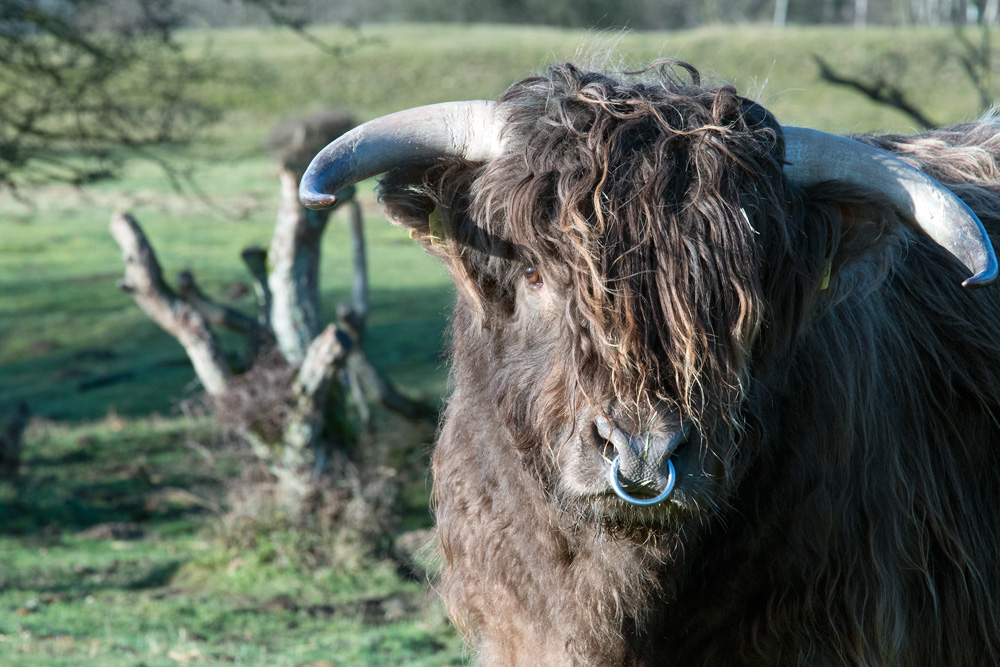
[[318, 202], [981, 279], [985, 275]]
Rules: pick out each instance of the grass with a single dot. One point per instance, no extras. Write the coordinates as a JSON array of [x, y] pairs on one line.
[[419, 64], [73, 345], [167, 590], [107, 448]]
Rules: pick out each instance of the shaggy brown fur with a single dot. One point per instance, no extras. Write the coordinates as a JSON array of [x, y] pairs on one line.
[[845, 510]]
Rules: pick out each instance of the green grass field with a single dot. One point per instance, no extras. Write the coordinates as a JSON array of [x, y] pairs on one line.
[[109, 451]]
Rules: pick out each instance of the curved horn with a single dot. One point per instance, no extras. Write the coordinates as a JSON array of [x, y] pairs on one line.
[[459, 129], [814, 157]]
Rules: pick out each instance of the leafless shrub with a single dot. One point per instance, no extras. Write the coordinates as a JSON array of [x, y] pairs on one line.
[[353, 513], [257, 401]]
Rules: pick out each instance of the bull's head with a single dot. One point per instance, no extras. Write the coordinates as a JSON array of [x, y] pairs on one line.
[[623, 253]]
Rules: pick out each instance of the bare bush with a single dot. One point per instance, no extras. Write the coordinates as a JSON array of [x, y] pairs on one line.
[[257, 401], [352, 512]]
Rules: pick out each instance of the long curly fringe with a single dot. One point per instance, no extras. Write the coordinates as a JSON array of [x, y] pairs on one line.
[[647, 199]]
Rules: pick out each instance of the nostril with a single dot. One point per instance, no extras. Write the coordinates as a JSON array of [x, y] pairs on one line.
[[602, 427], [611, 433], [639, 462], [604, 445], [595, 433]]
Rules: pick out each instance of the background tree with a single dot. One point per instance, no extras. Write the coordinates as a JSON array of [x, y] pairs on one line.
[[87, 84], [974, 54], [76, 102]]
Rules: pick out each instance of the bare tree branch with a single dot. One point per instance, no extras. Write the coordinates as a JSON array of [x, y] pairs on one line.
[[324, 359], [144, 281], [216, 313], [367, 380], [880, 91], [282, 13], [976, 60], [304, 429], [255, 259], [378, 388], [75, 101], [359, 283], [366, 383], [257, 336]]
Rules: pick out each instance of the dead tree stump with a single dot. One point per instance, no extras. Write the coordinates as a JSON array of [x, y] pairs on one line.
[[288, 404]]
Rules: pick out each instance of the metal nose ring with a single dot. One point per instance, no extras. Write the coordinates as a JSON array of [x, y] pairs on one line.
[[621, 493]]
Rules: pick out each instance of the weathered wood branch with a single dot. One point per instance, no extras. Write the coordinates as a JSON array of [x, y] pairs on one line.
[[976, 60], [303, 438], [324, 360], [213, 311], [217, 314], [378, 389], [359, 282], [144, 281], [879, 91], [367, 379], [293, 280], [366, 382], [255, 259]]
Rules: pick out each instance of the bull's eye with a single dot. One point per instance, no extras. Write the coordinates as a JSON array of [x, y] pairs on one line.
[[533, 277]]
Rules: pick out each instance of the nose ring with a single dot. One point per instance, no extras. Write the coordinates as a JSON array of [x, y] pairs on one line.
[[621, 493]]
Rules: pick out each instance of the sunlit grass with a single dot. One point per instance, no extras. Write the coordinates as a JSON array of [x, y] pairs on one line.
[[408, 65], [174, 593]]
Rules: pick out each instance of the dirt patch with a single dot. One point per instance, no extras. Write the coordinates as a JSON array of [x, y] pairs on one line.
[[113, 531], [371, 611]]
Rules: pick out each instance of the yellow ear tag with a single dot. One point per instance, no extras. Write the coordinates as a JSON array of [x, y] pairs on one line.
[[824, 282], [435, 226]]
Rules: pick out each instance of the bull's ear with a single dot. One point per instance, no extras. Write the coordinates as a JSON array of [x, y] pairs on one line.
[[864, 234], [409, 202], [427, 228], [429, 199], [410, 212]]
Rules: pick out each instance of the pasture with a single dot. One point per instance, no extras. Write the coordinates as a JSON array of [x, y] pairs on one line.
[[112, 548]]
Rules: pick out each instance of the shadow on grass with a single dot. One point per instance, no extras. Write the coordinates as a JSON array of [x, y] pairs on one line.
[[74, 581], [75, 480], [156, 576], [134, 368], [48, 519], [47, 513]]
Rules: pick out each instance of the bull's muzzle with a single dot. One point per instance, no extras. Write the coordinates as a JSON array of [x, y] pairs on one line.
[[642, 465]]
